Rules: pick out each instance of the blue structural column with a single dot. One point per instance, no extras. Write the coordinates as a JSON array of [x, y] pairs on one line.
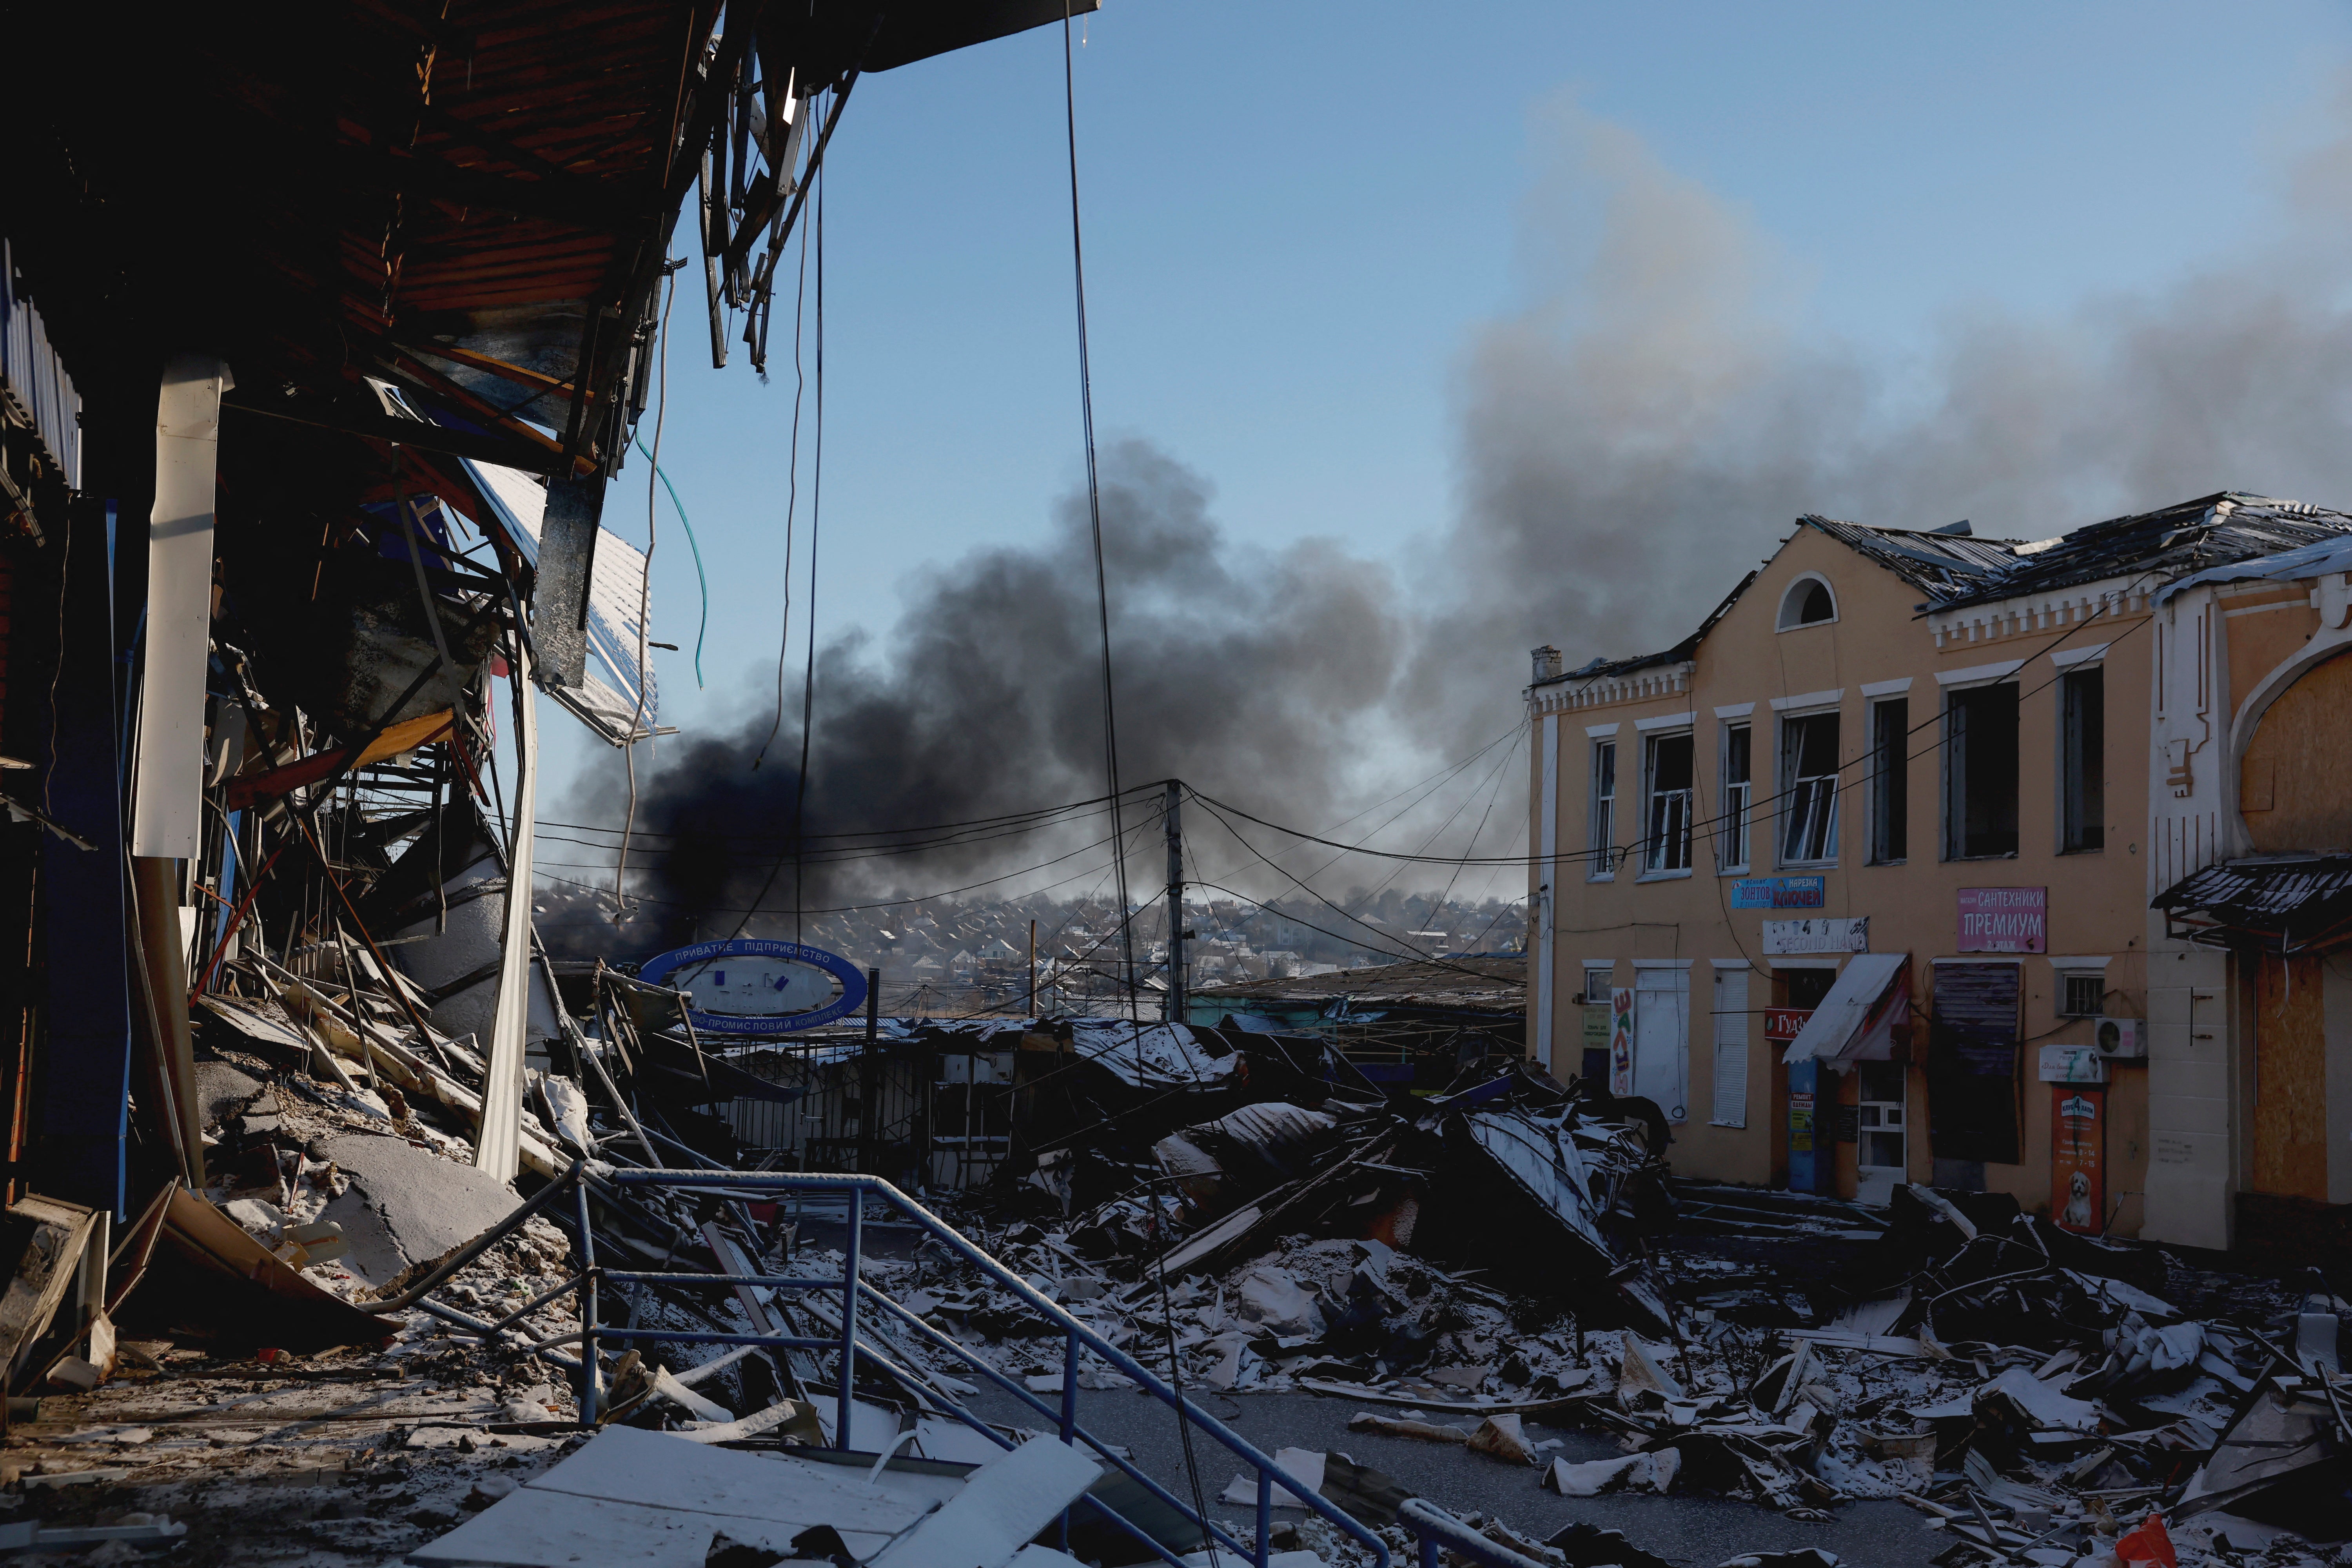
[[82, 1109]]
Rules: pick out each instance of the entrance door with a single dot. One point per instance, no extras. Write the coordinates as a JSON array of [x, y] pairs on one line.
[[1884, 1146], [1662, 1039], [2290, 1080]]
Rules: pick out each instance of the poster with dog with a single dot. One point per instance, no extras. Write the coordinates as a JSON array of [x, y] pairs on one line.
[[2078, 1147]]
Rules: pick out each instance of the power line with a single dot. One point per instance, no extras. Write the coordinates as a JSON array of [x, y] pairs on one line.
[[857, 833]]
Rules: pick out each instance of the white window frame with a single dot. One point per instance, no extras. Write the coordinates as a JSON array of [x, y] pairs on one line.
[[1735, 840], [1652, 870], [1785, 771], [1793, 595], [1601, 811], [2076, 966]]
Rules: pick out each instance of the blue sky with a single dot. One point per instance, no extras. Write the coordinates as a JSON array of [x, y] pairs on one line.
[[1299, 216]]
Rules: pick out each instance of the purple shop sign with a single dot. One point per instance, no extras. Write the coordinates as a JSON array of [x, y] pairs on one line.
[[2004, 920]]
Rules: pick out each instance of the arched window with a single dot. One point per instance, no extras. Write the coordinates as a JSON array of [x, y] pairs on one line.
[[1808, 602]]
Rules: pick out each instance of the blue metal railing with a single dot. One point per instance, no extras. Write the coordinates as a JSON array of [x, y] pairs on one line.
[[848, 1348], [1436, 1530]]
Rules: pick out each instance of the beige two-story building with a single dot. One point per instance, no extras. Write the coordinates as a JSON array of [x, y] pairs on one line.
[[1855, 882]]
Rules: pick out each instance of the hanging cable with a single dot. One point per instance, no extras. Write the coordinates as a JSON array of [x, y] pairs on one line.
[[1094, 479], [701, 578], [644, 596], [1110, 713], [792, 502], [816, 516]]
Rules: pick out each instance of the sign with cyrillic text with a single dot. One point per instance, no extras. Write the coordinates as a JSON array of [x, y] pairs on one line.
[[2004, 920], [1779, 892]]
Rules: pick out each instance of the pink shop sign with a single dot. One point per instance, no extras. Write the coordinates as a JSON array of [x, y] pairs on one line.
[[2004, 920]]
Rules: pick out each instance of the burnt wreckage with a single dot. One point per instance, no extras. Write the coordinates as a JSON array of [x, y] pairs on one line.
[[341, 1221]]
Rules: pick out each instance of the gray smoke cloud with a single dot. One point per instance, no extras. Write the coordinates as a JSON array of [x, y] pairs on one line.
[[1632, 439], [1250, 673], [1646, 426]]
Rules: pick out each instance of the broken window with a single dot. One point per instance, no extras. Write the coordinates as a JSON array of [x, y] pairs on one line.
[[1738, 792], [1667, 837], [1980, 772], [1890, 777], [1808, 792], [2083, 761], [1604, 835], [1808, 602]]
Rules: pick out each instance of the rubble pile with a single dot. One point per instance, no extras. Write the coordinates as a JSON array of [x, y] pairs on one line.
[[2038, 1395], [1491, 1270]]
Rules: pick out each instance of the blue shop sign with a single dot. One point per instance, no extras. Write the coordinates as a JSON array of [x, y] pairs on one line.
[[1779, 892], [751, 986]]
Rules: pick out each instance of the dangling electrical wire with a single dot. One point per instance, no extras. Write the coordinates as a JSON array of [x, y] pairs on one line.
[[702, 579], [644, 594], [1094, 482], [1110, 719], [791, 503], [816, 512]]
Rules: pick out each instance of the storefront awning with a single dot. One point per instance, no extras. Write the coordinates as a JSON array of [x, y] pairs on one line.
[[1854, 1022], [2281, 903]]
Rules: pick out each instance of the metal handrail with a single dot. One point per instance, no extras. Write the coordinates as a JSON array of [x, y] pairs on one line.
[[847, 1346], [1435, 1528]]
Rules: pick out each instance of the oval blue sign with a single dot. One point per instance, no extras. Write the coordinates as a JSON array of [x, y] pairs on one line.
[[769, 987]]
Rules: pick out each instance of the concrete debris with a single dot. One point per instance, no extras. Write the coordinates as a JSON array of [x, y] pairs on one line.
[[1501, 1436], [403, 1206], [1635, 1472], [1477, 1269]]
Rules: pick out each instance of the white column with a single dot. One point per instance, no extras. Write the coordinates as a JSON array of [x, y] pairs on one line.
[[497, 1146], [1539, 1041], [166, 813]]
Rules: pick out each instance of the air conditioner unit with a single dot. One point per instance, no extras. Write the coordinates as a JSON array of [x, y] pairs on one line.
[[2122, 1037]]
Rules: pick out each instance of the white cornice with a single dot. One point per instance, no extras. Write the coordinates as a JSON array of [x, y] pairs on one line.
[[1601, 691], [2050, 611]]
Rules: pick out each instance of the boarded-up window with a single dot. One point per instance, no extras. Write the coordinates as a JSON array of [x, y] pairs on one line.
[[1972, 1105], [1730, 1048]]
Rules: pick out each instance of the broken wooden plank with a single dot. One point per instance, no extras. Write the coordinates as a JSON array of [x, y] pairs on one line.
[[48, 1237]]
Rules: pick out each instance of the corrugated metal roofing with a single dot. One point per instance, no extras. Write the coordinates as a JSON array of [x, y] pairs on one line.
[[1469, 981], [1942, 565], [2221, 530], [2287, 900], [2212, 531]]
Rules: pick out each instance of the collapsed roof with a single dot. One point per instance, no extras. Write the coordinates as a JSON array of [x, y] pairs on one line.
[[1952, 569]]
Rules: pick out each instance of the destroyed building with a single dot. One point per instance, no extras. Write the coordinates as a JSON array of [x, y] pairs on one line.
[[346, 1223], [1854, 883]]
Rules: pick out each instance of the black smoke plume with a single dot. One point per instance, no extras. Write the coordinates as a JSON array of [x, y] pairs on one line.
[[1237, 669]]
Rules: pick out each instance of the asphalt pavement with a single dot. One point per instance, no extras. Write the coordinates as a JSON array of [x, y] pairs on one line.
[[1699, 1531]]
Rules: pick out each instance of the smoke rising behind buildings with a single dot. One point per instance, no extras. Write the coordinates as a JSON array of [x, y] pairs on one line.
[[1634, 436], [1248, 672]]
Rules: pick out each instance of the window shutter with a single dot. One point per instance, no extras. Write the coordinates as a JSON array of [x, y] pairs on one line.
[[1730, 1048]]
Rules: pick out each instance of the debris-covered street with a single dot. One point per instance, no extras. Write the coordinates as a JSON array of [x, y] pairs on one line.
[[1309, 1003], [1948, 1379]]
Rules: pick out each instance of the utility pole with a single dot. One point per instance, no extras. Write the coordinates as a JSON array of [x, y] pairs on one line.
[[1176, 998], [1033, 969]]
